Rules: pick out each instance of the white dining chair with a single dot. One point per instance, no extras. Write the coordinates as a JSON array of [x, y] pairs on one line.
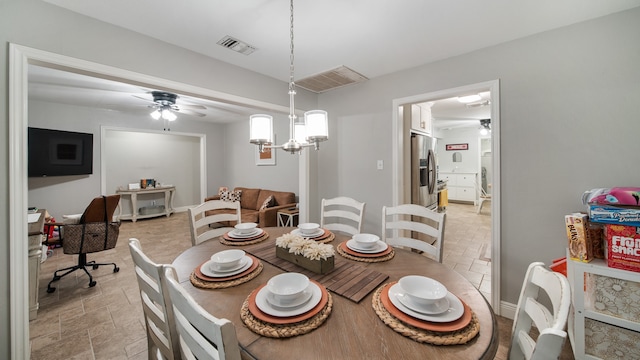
[[483, 197], [414, 226], [162, 338], [549, 322], [205, 226], [201, 335], [342, 214]]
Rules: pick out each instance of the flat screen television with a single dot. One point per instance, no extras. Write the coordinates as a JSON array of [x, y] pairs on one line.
[[59, 153]]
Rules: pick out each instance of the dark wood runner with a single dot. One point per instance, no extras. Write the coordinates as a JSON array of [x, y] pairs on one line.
[[347, 279]]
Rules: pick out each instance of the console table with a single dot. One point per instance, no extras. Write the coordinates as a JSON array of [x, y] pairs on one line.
[[35, 234], [168, 202]]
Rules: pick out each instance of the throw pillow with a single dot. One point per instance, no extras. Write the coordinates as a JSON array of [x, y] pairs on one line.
[[268, 202], [234, 195]]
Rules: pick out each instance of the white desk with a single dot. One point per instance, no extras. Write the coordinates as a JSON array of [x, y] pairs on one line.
[[168, 202]]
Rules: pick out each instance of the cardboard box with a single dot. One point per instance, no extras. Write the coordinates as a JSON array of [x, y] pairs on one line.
[[611, 214], [581, 243], [623, 247]]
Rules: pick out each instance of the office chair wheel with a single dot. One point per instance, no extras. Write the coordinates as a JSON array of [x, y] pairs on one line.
[[116, 269], [51, 289], [92, 283], [95, 267], [56, 278]]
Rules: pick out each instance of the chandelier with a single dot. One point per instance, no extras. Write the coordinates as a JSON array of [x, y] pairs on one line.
[[307, 131]]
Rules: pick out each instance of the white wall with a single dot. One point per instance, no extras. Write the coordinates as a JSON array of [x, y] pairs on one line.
[[470, 157], [569, 105]]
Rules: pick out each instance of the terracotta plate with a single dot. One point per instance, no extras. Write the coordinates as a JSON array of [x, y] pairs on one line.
[[461, 323], [228, 237], [204, 277], [345, 248], [253, 308]]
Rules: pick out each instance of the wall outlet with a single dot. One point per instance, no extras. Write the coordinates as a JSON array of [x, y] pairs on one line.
[[380, 164]]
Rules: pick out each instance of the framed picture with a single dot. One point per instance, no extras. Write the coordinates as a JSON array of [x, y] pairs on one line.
[[268, 157], [457, 147]]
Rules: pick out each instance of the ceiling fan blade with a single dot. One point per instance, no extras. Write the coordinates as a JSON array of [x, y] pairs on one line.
[[193, 107], [191, 112], [143, 98]]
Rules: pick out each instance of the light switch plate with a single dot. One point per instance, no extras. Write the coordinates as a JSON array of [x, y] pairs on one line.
[[380, 165]]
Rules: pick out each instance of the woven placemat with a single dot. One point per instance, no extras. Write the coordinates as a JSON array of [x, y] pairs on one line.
[[262, 238], [425, 336], [387, 257], [328, 239], [288, 330], [203, 284]]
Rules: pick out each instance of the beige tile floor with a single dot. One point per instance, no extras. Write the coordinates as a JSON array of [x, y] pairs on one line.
[[105, 322]]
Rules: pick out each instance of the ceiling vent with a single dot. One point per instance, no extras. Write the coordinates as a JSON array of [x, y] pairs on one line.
[[331, 79], [236, 45], [479, 104]]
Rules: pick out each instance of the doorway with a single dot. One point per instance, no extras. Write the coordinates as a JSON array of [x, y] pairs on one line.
[[401, 129]]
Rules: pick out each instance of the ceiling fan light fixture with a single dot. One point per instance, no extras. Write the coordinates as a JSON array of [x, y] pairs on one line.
[[156, 114], [469, 98]]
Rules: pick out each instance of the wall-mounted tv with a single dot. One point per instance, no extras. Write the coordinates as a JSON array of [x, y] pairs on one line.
[[59, 153]]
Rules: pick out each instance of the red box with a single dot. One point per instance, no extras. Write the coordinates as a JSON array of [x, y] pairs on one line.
[[623, 247]]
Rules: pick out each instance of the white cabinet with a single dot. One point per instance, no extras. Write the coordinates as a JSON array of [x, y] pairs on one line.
[[421, 118], [606, 304], [35, 237], [460, 186]]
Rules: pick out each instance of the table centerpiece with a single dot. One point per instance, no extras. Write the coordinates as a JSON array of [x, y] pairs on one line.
[[305, 252]]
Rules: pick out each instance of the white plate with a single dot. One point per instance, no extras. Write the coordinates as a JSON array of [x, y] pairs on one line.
[[379, 246], [264, 305], [245, 263], [237, 235], [455, 311], [315, 234], [303, 298], [436, 309]]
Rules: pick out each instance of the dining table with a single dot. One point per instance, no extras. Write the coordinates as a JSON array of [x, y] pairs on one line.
[[353, 329]]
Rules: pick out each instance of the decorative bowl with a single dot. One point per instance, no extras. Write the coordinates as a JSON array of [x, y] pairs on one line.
[[245, 228], [366, 241], [308, 228], [287, 287], [226, 259], [422, 290]]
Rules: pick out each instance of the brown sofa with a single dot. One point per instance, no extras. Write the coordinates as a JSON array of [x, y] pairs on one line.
[[251, 201]]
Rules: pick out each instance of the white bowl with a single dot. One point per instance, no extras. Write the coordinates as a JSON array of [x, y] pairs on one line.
[[366, 241], [226, 259], [308, 228], [287, 287], [422, 290], [245, 228]]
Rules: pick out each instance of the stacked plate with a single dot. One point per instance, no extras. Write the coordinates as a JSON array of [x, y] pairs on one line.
[[226, 263], [309, 230], [366, 244], [287, 295], [244, 232], [425, 299]]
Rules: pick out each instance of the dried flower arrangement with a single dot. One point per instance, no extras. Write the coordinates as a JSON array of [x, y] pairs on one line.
[[312, 255]]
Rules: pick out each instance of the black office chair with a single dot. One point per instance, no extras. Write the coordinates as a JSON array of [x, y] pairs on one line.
[[95, 232]]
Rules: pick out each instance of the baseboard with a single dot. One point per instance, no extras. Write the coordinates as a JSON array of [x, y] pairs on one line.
[[508, 310]]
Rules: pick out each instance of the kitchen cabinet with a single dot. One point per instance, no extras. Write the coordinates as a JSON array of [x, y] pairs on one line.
[[606, 311], [460, 186], [421, 119]]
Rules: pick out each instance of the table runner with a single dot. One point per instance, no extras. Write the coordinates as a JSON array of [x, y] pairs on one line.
[[347, 279]]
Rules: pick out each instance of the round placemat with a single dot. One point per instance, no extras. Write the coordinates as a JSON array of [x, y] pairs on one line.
[[382, 258], [203, 284], [425, 336], [262, 238], [285, 330], [326, 238]]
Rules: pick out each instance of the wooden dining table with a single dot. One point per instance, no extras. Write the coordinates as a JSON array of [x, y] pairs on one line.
[[353, 330]]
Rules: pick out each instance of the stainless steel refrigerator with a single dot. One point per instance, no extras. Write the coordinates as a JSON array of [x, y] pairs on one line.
[[423, 171]]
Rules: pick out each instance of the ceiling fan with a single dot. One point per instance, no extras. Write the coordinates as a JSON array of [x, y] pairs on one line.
[[164, 104]]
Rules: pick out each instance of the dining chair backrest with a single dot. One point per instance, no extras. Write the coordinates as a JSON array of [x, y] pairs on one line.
[[483, 197], [342, 214], [414, 226], [550, 322], [201, 335], [156, 305], [201, 224]]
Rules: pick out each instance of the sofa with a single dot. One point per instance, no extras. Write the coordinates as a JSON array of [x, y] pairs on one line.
[[251, 200]]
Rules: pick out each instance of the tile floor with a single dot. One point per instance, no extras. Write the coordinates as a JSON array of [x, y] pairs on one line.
[[105, 322]]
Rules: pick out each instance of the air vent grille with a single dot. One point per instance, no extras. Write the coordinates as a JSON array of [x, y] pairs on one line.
[[332, 79], [236, 45]]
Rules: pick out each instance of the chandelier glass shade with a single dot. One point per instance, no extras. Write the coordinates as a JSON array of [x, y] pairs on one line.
[[165, 112], [303, 132]]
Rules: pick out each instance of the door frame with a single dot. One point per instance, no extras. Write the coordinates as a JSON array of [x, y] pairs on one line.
[[400, 135]]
